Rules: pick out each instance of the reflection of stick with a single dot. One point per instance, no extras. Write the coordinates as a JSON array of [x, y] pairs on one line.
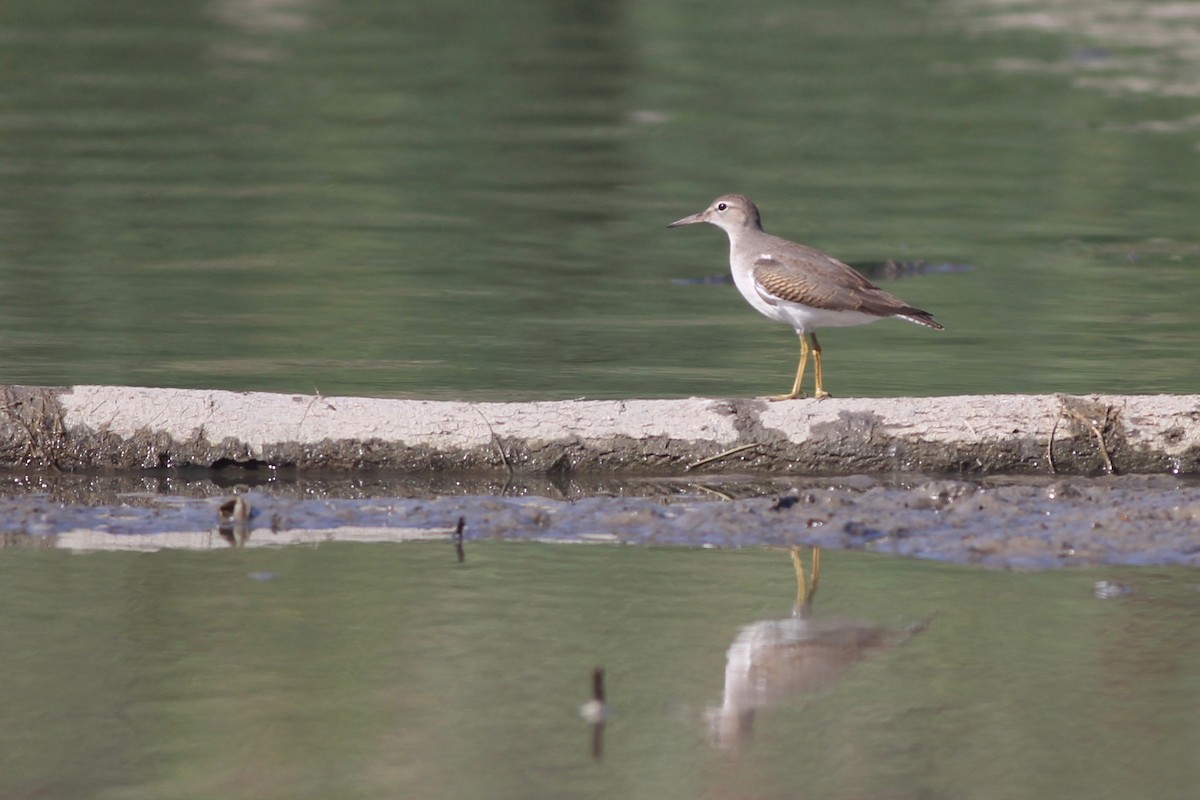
[[719, 456], [598, 740], [717, 492], [458, 540]]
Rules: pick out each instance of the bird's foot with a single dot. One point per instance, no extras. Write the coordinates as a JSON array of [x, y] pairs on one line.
[[819, 394]]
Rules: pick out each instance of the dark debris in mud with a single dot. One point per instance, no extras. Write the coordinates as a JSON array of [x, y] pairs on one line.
[[1007, 522]]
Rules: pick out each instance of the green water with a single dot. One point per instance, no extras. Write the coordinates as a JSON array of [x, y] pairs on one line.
[[363, 671], [468, 200]]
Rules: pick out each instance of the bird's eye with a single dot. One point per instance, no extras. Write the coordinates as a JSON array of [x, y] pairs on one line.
[[721, 206]]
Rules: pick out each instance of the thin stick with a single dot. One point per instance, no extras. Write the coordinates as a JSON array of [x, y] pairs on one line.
[[496, 440], [1099, 434], [1108, 414], [1050, 446], [596, 712], [307, 408]]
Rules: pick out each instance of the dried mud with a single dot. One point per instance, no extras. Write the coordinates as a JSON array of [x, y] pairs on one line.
[[90, 428]]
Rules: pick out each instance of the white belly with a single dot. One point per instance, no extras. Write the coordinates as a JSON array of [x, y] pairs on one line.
[[804, 319]]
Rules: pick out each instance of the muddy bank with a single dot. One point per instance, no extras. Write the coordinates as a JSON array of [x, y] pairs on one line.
[[129, 428], [1007, 522]]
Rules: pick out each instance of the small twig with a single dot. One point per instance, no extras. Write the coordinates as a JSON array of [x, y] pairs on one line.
[[719, 456], [31, 445], [1098, 433], [41, 445], [307, 408], [1108, 464], [458, 540], [1050, 446], [496, 439], [970, 427]]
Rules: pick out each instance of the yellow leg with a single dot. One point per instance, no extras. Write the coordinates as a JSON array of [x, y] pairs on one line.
[[796, 391], [806, 590], [816, 573], [819, 392], [798, 566]]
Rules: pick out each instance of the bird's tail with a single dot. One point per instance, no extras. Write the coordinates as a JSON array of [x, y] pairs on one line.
[[922, 318]]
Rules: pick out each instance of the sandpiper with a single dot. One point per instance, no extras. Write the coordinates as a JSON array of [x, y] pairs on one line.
[[797, 285]]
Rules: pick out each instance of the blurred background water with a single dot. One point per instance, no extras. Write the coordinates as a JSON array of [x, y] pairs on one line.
[[469, 200]]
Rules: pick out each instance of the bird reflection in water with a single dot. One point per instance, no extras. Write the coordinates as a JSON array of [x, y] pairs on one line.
[[772, 660]]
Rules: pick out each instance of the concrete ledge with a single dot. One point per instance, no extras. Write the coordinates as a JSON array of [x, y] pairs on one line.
[[99, 427]]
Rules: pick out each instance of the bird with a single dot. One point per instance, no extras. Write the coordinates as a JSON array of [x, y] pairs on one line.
[[774, 660], [798, 285]]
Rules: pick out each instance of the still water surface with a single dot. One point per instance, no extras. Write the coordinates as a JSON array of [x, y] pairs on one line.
[[389, 670], [468, 200]]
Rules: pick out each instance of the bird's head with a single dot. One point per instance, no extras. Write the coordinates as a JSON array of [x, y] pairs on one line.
[[728, 212]]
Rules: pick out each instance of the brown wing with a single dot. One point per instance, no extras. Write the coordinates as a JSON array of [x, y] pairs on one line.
[[808, 276]]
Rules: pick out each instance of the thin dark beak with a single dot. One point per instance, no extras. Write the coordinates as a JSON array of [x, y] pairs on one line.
[[692, 220]]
